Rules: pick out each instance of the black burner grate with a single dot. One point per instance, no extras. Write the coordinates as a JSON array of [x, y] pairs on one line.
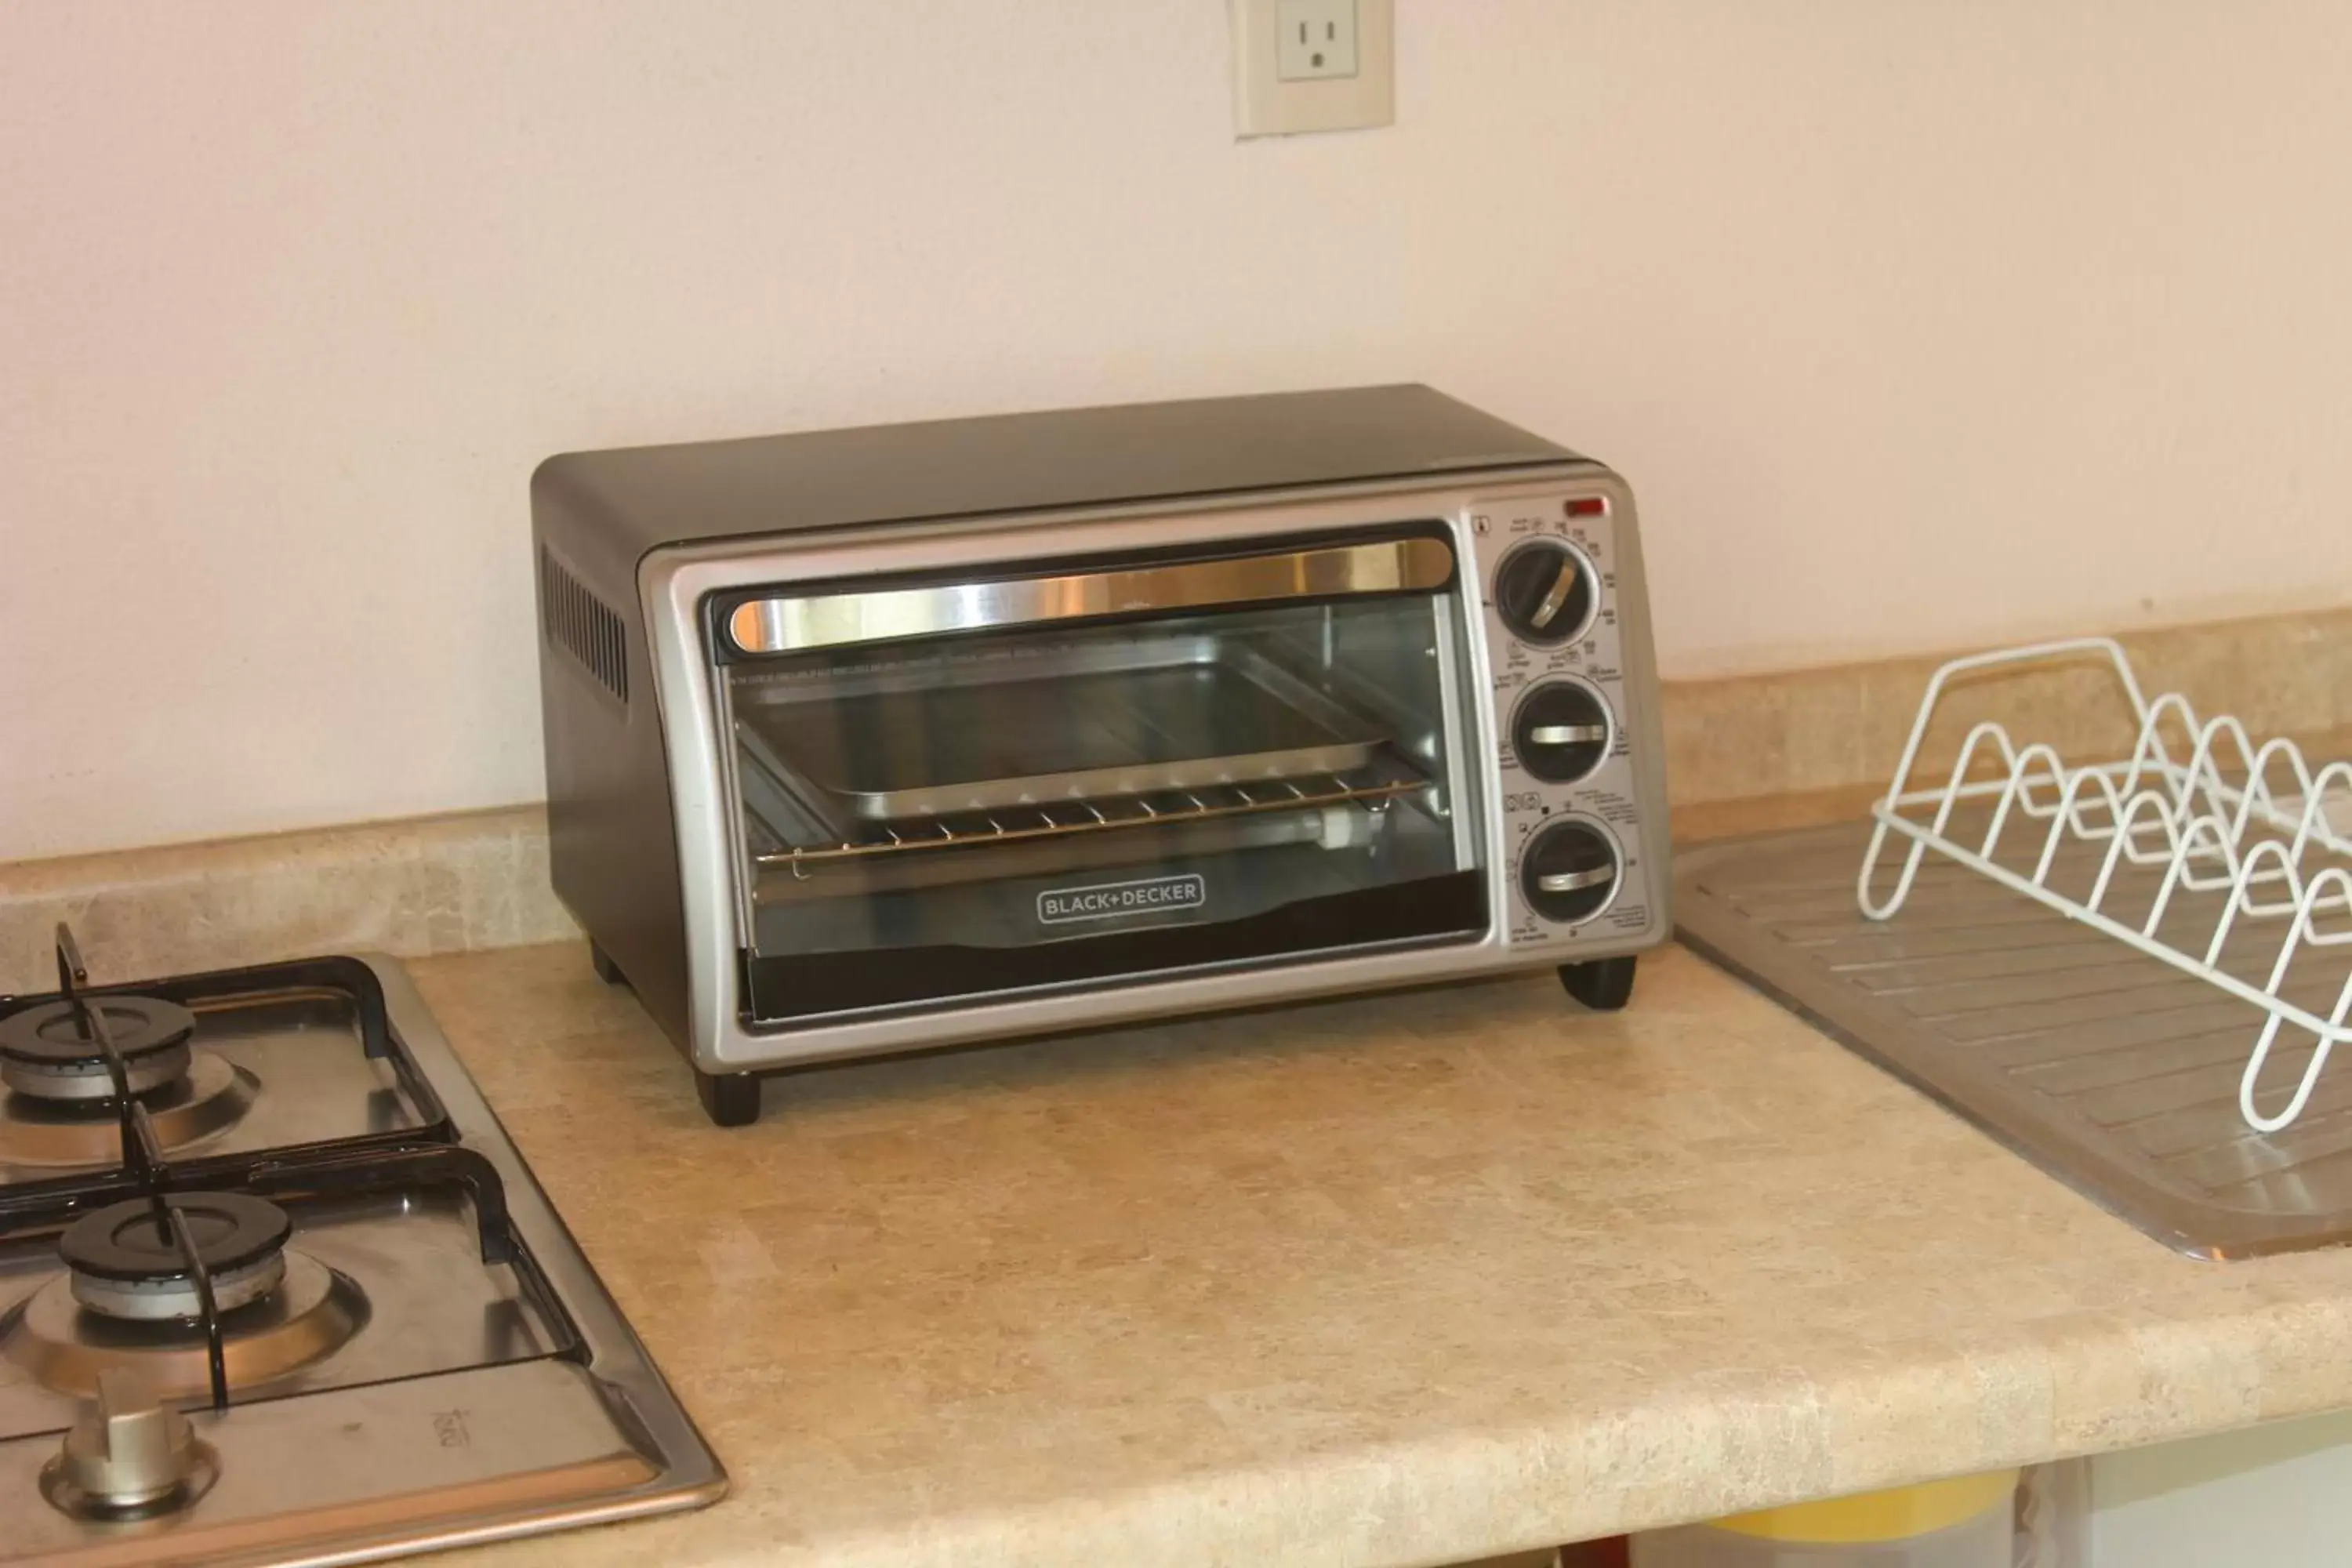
[[179, 1222]]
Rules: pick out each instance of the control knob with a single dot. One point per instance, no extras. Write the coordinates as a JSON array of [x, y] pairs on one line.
[[128, 1456], [1569, 870], [1561, 730], [1545, 591]]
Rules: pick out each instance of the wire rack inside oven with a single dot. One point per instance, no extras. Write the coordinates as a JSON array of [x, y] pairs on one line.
[[1370, 789]]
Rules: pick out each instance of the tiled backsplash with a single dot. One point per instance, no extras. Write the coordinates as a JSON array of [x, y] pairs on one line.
[[1828, 729], [479, 879], [431, 884]]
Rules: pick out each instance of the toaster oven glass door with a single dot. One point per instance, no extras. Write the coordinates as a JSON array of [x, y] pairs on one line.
[[1102, 773]]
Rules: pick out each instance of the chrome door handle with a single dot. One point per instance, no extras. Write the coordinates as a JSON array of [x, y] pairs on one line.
[[787, 623]]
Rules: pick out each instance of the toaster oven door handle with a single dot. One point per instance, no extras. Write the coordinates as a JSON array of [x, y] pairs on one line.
[[790, 623]]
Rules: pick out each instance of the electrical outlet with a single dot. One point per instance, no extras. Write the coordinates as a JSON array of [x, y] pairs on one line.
[[1317, 39], [1313, 65]]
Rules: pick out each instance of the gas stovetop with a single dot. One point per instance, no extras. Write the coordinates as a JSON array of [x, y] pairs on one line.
[[276, 1289]]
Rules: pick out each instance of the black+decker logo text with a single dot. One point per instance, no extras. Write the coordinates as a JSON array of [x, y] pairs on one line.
[[1154, 895]]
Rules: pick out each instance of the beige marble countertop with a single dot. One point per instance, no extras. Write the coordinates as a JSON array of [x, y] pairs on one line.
[[1396, 1280]]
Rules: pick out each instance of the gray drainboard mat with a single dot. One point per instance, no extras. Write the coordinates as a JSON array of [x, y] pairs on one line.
[[2107, 1069]]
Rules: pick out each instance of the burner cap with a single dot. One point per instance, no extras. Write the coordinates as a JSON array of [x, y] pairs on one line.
[[120, 1241], [50, 1034], [124, 1267], [44, 1053]]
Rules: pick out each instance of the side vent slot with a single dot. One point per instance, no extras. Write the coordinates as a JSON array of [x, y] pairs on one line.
[[583, 625]]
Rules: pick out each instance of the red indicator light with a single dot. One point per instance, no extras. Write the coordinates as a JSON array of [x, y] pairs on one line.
[[1587, 506]]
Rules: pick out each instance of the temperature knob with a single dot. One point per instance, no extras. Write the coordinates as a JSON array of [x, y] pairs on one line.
[[1569, 871], [1561, 730], [1545, 591]]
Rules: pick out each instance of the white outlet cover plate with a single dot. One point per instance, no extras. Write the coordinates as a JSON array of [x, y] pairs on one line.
[[1264, 104], [1315, 38]]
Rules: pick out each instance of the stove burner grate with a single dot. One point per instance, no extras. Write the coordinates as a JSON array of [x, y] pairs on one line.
[[159, 1260], [58, 1051]]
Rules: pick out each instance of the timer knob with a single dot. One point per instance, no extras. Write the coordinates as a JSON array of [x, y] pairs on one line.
[[1544, 591], [1561, 730], [1569, 871]]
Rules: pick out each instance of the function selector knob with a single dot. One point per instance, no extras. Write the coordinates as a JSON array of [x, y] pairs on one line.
[[1545, 591], [1569, 871], [1561, 730]]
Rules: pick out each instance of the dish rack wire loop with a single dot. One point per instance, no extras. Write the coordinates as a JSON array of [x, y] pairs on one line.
[[2247, 827]]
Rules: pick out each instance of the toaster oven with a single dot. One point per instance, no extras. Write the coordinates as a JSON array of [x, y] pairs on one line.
[[878, 739]]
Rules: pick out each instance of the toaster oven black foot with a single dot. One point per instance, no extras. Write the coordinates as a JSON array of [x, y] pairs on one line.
[[606, 970], [729, 1098], [1604, 984]]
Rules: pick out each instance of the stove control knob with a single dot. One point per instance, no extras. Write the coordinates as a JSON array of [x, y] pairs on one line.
[[1569, 871], [1560, 731], [129, 1453], [1544, 590]]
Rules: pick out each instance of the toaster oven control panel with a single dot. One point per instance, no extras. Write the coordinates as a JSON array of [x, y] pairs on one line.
[[1577, 851]]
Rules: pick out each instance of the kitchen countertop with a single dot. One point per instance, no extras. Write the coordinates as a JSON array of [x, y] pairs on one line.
[[1393, 1281]]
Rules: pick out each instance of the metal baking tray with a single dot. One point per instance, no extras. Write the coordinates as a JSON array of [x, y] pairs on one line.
[[1077, 721], [2108, 1069]]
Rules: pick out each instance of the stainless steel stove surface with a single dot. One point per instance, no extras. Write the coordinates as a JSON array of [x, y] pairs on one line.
[[282, 1061], [276, 1289]]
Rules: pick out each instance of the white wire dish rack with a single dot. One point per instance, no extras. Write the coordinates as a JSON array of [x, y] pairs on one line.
[[2232, 866]]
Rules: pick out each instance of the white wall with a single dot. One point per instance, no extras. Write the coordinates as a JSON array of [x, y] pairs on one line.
[[2272, 1497], [1913, 323]]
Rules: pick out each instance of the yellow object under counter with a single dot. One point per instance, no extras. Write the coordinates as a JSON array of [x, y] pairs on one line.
[[1899, 1513]]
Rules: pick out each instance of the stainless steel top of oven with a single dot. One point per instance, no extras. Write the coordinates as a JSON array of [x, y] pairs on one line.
[[939, 770]]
